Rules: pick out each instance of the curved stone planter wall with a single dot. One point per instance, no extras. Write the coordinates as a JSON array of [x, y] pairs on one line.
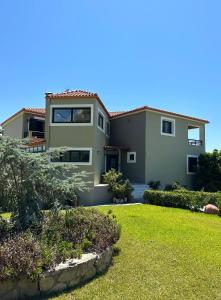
[[65, 276]]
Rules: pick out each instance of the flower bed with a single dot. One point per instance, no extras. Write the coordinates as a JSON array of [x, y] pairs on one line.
[[61, 236]]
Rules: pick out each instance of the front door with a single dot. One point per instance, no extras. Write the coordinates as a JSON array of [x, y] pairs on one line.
[[111, 162]]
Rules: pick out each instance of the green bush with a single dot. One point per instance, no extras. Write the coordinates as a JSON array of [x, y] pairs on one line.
[[64, 235], [182, 199], [120, 187], [154, 185], [174, 186], [208, 175]]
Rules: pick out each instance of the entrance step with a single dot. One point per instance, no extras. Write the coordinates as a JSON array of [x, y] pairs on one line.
[[139, 190]]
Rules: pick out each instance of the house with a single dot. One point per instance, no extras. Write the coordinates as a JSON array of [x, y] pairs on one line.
[[29, 124], [144, 143]]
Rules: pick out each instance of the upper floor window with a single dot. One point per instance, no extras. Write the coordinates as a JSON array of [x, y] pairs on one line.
[[194, 136], [71, 115], [167, 126], [192, 164], [100, 121]]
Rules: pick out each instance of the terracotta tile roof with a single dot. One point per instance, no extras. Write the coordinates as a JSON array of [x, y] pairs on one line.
[[115, 113], [35, 111], [35, 142], [68, 94], [148, 108]]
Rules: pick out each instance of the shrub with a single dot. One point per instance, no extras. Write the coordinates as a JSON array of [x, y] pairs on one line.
[[20, 256], [182, 199], [208, 176], [64, 235], [174, 186], [120, 187], [112, 177], [154, 185]]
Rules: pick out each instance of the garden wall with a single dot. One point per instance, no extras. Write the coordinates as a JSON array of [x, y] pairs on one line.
[[64, 276]]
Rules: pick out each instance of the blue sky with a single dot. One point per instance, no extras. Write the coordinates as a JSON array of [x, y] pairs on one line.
[[166, 54]]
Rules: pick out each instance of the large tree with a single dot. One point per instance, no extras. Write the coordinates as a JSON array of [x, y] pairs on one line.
[[209, 172], [29, 182]]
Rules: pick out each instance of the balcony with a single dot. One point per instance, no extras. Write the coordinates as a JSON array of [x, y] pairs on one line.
[[195, 142]]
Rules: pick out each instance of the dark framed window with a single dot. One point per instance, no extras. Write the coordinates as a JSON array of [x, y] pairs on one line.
[[167, 127], [100, 121], [192, 163], [131, 157], [71, 115], [76, 156]]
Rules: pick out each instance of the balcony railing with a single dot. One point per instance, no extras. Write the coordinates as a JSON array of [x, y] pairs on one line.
[[195, 142], [37, 134]]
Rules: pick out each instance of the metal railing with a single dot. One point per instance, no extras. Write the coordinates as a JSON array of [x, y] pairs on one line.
[[37, 134], [195, 142]]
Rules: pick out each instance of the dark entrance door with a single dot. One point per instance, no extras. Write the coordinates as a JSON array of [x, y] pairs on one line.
[[111, 162]]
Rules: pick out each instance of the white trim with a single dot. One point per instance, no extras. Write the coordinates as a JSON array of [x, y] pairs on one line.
[[71, 106], [187, 164], [104, 120], [128, 157], [77, 163], [173, 121]]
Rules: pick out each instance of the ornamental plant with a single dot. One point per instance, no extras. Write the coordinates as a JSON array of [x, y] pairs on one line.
[[120, 187], [29, 182]]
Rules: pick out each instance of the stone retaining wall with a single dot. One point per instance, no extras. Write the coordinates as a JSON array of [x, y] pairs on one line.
[[64, 276]]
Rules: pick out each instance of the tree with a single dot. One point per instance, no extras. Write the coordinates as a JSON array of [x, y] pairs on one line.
[[209, 172], [29, 182]]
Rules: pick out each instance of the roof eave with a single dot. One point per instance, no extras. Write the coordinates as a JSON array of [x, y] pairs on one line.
[[160, 112]]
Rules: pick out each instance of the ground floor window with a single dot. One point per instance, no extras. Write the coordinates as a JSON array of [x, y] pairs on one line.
[[77, 156], [192, 163], [131, 157]]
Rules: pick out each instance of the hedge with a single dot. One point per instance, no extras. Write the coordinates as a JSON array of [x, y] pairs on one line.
[[182, 199]]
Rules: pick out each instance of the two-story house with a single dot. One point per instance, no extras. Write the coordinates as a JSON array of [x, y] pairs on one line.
[[144, 143]]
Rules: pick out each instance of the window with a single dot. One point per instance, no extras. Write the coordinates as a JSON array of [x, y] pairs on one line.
[[72, 115], [62, 115], [131, 157], [100, 121], [81, 157], [192, 163], [167, 126], [194, 136]]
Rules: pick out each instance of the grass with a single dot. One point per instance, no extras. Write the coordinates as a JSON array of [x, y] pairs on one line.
[[166, 253]]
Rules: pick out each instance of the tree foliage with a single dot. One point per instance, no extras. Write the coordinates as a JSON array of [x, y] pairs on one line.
[[29, 182], [209, 172]]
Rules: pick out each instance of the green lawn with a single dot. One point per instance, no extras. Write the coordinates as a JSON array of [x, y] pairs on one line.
[[166, 253]]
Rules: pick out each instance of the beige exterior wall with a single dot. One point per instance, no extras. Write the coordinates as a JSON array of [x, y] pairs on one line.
[[14, 127], [89, 136], [166, 156], [158, 157], [130, 131]]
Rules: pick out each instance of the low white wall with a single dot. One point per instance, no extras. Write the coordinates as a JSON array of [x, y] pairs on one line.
[[65, 276]]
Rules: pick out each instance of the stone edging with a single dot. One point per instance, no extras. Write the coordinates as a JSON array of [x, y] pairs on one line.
[[64, 276]]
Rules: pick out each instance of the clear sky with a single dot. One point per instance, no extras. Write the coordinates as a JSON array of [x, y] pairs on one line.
[[162, 53]]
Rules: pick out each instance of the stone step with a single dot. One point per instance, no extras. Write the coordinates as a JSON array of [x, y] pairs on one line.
[[139, 190]]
